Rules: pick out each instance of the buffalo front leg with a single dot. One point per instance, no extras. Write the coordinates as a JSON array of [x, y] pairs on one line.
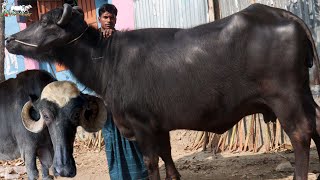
[[46, 159], [165, 154], [29, 157]]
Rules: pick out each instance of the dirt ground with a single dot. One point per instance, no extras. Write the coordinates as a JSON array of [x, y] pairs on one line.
[[92, 165]]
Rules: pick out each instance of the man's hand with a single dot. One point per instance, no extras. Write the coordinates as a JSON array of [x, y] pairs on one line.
[[107, 33]]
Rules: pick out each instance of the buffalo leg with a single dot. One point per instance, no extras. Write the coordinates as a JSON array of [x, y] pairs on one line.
[[316, 137], [147, 141], [30, 162], [165, 154], [301, 145], [151, 161], [295, 122], [46, 159], [150, 157]]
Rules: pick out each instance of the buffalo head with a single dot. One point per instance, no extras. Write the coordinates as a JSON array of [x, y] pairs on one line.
[[55, 29], [62, 107]]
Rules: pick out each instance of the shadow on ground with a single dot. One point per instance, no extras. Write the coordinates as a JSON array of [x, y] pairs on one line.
[[205, 165]]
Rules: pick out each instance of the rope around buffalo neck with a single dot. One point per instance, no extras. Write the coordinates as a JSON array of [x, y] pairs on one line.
[[78, 36], [34, 45]]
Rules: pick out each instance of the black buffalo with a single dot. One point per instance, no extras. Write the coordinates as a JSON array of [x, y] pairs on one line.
[[15, 140], [203, 78], [62, 108]]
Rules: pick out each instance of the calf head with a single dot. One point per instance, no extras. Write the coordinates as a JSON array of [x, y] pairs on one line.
[[62, 107], [55, 29]]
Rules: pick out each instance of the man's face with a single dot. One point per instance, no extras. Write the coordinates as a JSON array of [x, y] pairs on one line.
[[107, 20]]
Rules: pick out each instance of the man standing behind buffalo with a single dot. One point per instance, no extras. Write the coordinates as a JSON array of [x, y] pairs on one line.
[[125, 160]]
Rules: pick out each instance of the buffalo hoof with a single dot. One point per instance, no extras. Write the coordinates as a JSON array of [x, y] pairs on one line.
[[48, 178], [173, 178]]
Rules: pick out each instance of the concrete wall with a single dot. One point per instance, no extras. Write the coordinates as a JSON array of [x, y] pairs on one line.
[[125, 18]]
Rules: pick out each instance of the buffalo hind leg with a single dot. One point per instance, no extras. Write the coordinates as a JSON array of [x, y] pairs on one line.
[[293, 118], [165, 154], [316, 136], [151, 161], [316, 139], [314, 111], [301, 145]]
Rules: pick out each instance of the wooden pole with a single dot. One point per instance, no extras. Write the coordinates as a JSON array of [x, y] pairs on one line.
[[242, 136], [211, 10], [278, 134], [216, 7], [252, 133], [232, 140], [205, 141], [2, 43]]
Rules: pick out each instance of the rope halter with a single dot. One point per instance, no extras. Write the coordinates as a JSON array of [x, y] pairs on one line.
[[35, 45]]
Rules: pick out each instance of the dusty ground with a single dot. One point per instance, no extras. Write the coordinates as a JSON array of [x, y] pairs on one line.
[[199, 165]]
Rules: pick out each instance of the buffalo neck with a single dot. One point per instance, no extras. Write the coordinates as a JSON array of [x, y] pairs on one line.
[[91, 59]]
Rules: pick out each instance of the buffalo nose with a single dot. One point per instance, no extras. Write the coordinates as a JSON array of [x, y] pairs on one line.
[[10, 38]]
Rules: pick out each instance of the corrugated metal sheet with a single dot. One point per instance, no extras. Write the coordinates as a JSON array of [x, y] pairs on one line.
[[229, 7], [170, 13], [308, 10], [305, 9]]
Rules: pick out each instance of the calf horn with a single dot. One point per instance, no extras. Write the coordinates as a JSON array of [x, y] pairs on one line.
[[66, 15], [30, 124], [95, 116]]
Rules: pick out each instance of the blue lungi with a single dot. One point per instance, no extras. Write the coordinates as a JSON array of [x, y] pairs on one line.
[[125, 160]]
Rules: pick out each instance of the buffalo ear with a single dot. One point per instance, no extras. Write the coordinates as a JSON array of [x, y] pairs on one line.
[[95, 114], [34, 114]]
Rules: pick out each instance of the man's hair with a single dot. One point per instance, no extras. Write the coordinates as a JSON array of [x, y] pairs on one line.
[[108, 8]]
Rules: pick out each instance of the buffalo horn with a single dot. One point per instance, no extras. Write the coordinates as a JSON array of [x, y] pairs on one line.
[[30, 124], [93, 118], [66, 15], [79, 10]]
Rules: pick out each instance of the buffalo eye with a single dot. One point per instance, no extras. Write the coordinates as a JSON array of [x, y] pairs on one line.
[[76, 115], [46, 116], [43, 23]]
